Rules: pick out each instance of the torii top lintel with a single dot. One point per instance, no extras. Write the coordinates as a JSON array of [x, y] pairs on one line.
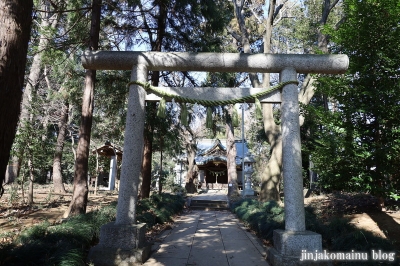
[[216, 62]]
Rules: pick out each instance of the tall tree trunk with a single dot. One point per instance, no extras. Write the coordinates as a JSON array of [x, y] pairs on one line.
[[160, 179], [31, 180], [80, 195], [272, 174], [148, 134], [191, 154], [62, 129], [147, 156], [191, 148], [32, 81], [269, 183], [233, 189], [15, 29]]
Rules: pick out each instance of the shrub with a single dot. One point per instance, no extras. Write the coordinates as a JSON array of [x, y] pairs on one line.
[[337, 235], [262, 217], [68, 243]]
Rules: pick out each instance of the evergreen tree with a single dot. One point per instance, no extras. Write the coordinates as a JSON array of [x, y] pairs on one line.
[[358, 146], [180, 25], [80, 194]]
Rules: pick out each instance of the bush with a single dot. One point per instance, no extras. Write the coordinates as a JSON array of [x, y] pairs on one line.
[[68, 243], [337, 235], [262, 217]]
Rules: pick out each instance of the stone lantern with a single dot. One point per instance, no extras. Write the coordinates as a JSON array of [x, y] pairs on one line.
[[248, 171]]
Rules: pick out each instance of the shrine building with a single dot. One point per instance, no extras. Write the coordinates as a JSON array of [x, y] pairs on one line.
[[211, 161]]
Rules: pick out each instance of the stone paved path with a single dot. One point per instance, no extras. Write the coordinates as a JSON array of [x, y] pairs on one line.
[[207, 238]]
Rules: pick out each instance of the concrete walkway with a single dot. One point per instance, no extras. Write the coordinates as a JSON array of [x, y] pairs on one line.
[[205, 238]]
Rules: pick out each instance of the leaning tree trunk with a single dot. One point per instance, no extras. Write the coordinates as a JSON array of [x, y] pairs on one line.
[[62, 129], [80, 195], [272, 174], [15, 29]]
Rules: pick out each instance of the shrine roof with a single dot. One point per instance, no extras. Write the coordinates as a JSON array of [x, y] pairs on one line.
[[109, 150], [215, 150]]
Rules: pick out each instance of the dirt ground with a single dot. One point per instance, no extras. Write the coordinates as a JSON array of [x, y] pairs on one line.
[[16, 216], [362, 210]]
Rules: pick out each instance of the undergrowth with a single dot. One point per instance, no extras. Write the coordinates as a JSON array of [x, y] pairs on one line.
[[68, 243], [338, 234]]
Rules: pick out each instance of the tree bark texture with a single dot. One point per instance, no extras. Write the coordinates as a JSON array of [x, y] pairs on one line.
[[62, 129], [191, 148], [31, 180], [80, 195], [15, 29], [233, 189], [272, 174], [147, 157]]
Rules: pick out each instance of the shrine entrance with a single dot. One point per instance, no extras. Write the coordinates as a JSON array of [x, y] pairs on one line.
[[211, 162], [122, 241], [215, 175]]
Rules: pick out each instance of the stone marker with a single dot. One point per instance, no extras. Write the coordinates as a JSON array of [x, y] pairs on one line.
[[122, 242]]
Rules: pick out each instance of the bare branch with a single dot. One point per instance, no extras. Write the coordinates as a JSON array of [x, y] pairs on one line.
[[306, 93], [234, 34], [340, 22], [277, 10], [333, 4], [64, 11], [307, 89], [283, 9]]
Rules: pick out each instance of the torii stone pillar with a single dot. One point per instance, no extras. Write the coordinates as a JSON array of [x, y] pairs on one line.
[[123, 241]]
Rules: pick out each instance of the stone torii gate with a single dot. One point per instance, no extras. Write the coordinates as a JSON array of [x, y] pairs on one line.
[[123, 241]]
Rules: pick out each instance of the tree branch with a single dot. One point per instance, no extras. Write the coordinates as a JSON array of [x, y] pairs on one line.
[[306, 93], [235, 35], [333, 5], [63, 11]]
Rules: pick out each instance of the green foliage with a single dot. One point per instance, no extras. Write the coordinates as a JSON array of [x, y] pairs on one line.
[[262, 217], [177, 189], [197, 25], [235, 117], [34, 142], [258, 146], [337, 235], [356, 146], [67, 243], [110, 109], [166, 133], [13, 194], [161, 108]]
